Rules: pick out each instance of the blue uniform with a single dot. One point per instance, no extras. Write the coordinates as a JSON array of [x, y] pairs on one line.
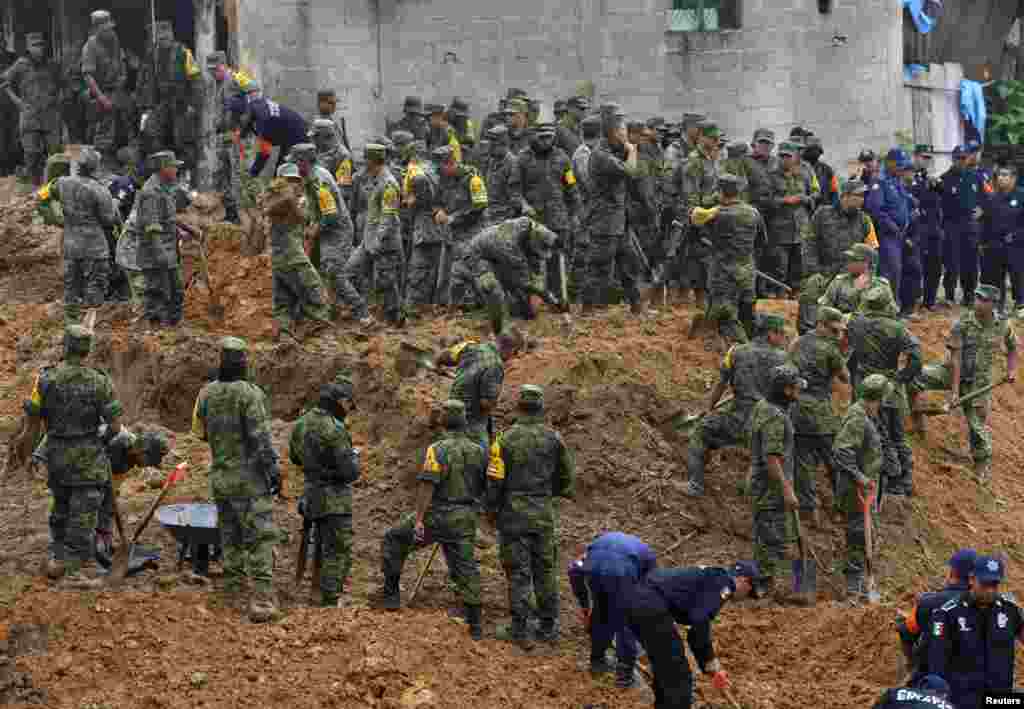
[[928, 232], [972, 648], [914, 629], [890, 204], [691, 597], [909, 698], [275, 126], [1002, 241], [962, 191], [614, 562]]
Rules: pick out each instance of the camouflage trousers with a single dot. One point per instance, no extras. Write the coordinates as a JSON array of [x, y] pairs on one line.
[[733, 311], [853, 510], [608, 252], [455, 531], [85, 284], [809, 452], [137, 286], [297, 295], [332, 273], [73, 524], [105, 518], [37, 145], [530, 560], [578, 261], [385, 269], [811, 289], [164, 295], [773, 532], [104, 126], [248, 534], [720, 428], [461, 287], [424, 263], [334, 534], [226, 177], [936, 377]]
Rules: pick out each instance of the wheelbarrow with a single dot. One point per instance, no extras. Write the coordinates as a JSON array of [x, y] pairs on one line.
[[195, 527]]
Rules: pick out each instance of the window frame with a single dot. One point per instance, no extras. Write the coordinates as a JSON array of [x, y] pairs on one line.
[[728, 10]]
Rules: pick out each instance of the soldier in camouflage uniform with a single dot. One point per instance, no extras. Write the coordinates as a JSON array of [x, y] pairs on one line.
[[735, 232], [321, 445], [505, 262], [413, 119], [226, 178], [845, 291], [834, 230], [501, 169], [297, 293], [736, 163], [696, 185], [642, 200], [543, 187], [463, 200], [420, 197], [529, 465], [857, 455], [771, 475], [440, 133], [88, 214], [591, 130], [745, 367], [450, 484], [818, 356], [760, 164], [332, 155], [103, 72], [156, 225], [518, 125], [877, 339], [379, 256], [971, 350], [793, 196], [73, 400], [233, 415], [36, 82], [466, 130], [48, 207]]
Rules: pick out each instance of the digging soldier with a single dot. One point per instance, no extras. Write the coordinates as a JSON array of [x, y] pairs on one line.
[[297, 291], [845, 291], [34, 84], [970, 355], [233, 415], [820, 359], [157, 255], [463, 200], [878, 339], [746, 368], [858, 459], [449, 486], [529, 465], [103, 72], [73, 401], [833, 231], [321, 445], [504, 263], [226, 178]]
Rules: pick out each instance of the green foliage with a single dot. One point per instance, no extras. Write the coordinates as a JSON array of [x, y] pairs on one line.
[[1006, 122]]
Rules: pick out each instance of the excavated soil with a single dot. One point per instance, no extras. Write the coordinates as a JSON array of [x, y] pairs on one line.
[[614, 389]]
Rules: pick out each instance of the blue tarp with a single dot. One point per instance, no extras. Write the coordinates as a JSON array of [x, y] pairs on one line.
[[925, 13], [910, 71], [972, 104]]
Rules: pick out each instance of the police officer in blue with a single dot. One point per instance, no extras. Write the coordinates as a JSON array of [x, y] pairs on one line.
[[890, 204], [913, 627], [601, 580], [1002, 235], [931, 692], [972, 644], [927, 223], [963, 186], [689, 596]]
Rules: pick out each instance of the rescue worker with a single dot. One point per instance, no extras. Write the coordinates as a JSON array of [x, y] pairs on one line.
[[819, 357], [974, 637], [793, 196], [890, 204], [857, 455], [275, 126], [696, 183], [518, 125], [591, 131], [529, 465], [157, 256], [1002, 236], [501, 169], [226, 178], [465, 129], [448, 488], [327, 110], [927, 223], [602, 580], [686, 596], [73, 401], [333, 156], [845, 291], [440, 133], [930, 692], [321, 445], [971, 350], [413, 119], [463, 200], [747, 368], [827, 180], [233, 415], [421, 196], [34, 84], [103, 72], [735, 163], [963, 187]]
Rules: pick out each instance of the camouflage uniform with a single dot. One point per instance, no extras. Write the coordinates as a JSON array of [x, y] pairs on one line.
[[321, 445], [529, 465], [423, 186], [832, 233], [789, 224], [73, 401], [819, 360], [696, 185], [332, 249], [734, 233], [642, 206], [456, 466], [234, 417], [380, 254], [104, 64], [88, 215], [746, 368], [479, 374], [771, 435], [976, 342], [362, 188], [464, 199], [500, 205], [844, 295], [226, 168], [157, 254], [877, 339], [333, 156], [38, 84], [858, 459]]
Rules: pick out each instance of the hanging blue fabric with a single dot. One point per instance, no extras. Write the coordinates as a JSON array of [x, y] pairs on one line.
[[925, 13], [912, 71], [972, 104]]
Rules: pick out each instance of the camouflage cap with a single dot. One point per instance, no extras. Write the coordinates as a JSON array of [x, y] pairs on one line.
[[432, 108], [987, 292], [531, 396], [859, 252], [877, 298], [289, 170], [402, 138], [304, 151], [785, 375], [459, 106], [709, 129], [59, 159], [561, 106], [763, 135], [545, 128], [214, 59], [828, 314], [337, 390], [164, 158], [854, 186], [518, 105], [375, 151], [875, 387], [413, 104], [579, 102], [773, 322], [322, 126], [813, 141], [737, 149], [77, 340], [789, 148], [612, 109], [88, 159], [234, 344], [656, 122], [635, 126], [454, 408], [516, 93]]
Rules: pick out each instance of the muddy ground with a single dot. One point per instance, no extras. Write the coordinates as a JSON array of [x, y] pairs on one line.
[[612, 390]]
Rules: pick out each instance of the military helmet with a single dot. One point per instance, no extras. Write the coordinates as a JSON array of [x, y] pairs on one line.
[[531, 396], [828, 314], [88, 160], [786, 375], [874, 387], [77, 340], [375, 151]]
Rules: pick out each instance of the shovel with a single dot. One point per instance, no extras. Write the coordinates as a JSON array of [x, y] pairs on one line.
[[948, 408], [119, 564], [869, 552], [805, 569], [423, 574], [688, 421], [411, 359]]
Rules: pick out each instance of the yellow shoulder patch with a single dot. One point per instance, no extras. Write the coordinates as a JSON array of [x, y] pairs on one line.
[[344, 173], [36, 398], [430, 465], [389, 200], [43, 194], [328, 205], [456, 350], [727, 360], [496, 466], [198, 424], [191, 68], [478, 191], [568, 177], [871, 239]]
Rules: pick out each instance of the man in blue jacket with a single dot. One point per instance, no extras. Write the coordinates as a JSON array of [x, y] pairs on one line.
[[689, 596], [275, 126], [963, 187], [927, 190], [602, 579], [889, 203], [972, 644]]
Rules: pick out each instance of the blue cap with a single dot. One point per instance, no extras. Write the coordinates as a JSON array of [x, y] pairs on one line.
[[900, 157], [962, 562], [972, 146], [751, 570], [934, 683], [988, 569], [958, 152]]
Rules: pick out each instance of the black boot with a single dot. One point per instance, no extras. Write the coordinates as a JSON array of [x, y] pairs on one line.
[[695, 462], [389, 597], [601, 665], [231, 215], [476, 630], [624, 675]]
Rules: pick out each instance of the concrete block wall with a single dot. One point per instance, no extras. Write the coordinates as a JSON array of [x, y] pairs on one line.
[[778, 70]]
